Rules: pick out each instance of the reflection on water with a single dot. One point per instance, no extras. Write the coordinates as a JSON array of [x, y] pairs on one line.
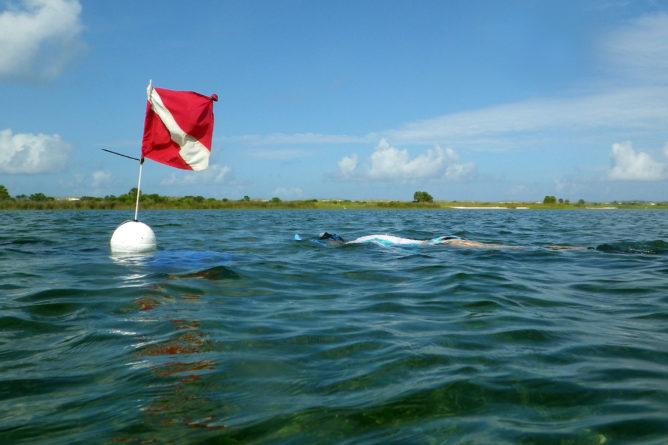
[[181, 394]]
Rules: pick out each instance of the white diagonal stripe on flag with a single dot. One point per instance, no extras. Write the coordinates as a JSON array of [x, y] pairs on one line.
[[193, 152]]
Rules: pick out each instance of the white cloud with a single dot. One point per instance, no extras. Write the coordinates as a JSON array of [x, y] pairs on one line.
[[32, 153], [388, 163], [288, 192], [665, 150], [499, 127], [100, 178], [215, 174], [640, 49], [347, 165], [631, 165], [455, 170], [459, 171], [39, 38], [643, 109]]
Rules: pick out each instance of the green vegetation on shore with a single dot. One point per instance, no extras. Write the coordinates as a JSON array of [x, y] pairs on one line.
[[422, 200]]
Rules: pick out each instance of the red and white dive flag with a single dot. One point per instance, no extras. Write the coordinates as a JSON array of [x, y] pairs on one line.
[[178, 128]]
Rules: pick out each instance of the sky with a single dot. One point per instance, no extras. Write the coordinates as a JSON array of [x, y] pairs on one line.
[[467, 100]]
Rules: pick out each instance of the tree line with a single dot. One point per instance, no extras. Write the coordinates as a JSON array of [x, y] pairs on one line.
[[552, 200], [421, 199], [40, 201]]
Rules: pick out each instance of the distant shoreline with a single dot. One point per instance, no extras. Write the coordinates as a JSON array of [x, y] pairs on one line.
[[149, 202]]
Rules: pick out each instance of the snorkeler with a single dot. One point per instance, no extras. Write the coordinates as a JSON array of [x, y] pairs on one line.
[[333, 239], [391, 240]]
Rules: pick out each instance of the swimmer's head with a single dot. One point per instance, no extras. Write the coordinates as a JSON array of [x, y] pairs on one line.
[[330, 237]]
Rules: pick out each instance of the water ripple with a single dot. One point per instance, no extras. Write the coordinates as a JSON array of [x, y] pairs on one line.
[[235, 333]]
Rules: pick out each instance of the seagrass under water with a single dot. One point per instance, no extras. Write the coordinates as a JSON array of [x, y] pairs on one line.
[[235, 333]]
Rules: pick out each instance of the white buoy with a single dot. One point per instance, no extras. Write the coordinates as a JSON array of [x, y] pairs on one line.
[[132, 236]]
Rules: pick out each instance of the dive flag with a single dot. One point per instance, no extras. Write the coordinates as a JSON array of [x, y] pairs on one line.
[[178, 128]]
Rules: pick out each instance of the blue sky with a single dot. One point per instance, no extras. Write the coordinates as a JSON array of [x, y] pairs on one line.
[[469, 100]]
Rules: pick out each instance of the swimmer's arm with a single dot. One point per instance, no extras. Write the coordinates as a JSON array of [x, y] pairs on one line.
[[456, 242]]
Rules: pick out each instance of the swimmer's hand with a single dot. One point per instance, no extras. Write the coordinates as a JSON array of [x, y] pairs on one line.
[[297, 237]]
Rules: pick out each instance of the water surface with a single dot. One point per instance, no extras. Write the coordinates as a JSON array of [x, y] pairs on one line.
[[234, 333]]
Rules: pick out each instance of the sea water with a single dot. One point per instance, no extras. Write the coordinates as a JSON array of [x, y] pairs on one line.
[[233, 332]]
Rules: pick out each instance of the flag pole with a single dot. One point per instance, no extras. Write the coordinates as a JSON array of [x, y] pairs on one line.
[[141, 160], [141, 165]]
